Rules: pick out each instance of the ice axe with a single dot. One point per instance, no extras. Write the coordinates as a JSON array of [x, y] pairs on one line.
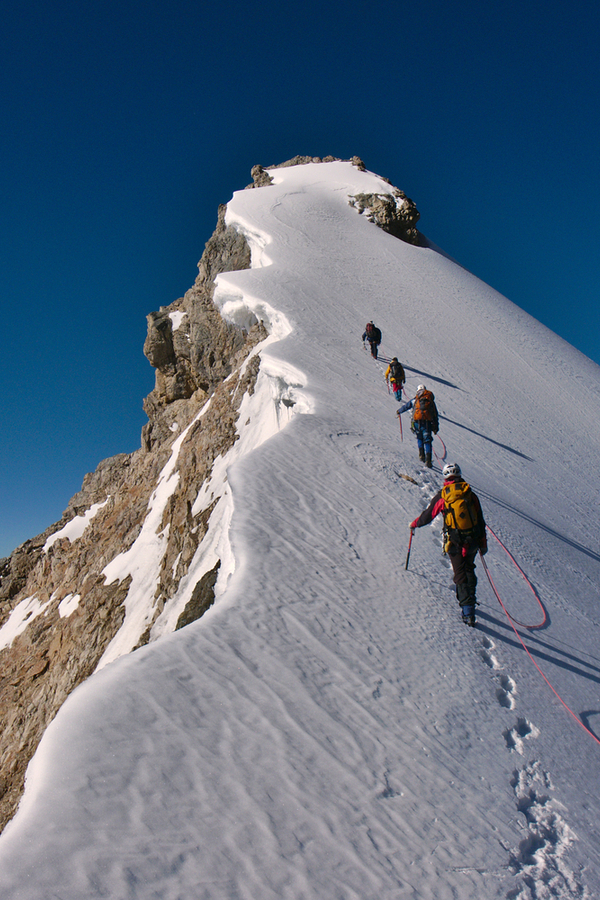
[[412, 531]]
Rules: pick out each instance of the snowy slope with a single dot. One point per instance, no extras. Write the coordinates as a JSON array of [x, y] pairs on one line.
[[330, 729]]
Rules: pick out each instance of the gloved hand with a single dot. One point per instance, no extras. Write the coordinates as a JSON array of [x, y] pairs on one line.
[[435, 430], [483, 549], [413, 525]]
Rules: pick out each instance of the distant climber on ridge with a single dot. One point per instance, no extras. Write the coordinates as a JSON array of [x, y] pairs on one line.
[[395, 375], [372, 334], [425, 421], [464, 534]]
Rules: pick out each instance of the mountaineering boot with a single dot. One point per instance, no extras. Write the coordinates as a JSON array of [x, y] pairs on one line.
[[468, 615], [428, 460], [421, 454], [466, 603]]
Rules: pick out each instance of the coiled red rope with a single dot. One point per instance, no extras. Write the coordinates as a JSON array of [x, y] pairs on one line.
[[527, 582], [512, 622]]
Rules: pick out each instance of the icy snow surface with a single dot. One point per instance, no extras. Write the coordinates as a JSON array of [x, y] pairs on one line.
[[330, 729]]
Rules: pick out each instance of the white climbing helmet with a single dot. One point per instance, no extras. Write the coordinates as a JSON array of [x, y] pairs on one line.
[[421, 387], [451, 470]]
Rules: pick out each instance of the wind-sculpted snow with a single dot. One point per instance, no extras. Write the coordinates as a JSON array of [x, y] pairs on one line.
[[329, 728]]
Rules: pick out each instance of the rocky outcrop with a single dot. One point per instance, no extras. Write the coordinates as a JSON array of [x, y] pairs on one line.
[[188, 343], [202, 598], [394, 212], [260, 178]]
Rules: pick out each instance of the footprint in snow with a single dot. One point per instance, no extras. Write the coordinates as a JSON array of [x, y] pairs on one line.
[[489, 659], [540, 859], [516, 736], [505, 693]]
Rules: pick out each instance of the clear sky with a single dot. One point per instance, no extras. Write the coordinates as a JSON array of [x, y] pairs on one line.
[[126, 124]]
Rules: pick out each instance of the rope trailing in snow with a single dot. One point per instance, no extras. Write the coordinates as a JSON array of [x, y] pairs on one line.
[[527, 581], [512, 623], [440, 459]]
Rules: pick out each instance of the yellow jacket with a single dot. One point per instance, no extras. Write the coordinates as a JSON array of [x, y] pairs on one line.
[[402, 377]]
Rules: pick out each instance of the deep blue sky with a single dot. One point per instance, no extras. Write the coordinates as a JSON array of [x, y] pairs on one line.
[[126, 124]]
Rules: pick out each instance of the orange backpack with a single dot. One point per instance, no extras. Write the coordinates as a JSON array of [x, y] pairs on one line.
[[423, 407]]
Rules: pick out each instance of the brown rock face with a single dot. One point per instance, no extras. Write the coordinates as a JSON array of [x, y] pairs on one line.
[[192, 358], [193, 351]]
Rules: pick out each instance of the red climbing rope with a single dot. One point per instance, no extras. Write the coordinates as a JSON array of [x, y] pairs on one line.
[[440, 459], [520, 639], [527, 581]]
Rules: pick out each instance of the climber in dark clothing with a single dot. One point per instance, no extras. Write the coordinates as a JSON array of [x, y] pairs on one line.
[[372, 334]]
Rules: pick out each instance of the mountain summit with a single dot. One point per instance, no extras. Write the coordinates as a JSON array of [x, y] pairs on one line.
[[323, 725]]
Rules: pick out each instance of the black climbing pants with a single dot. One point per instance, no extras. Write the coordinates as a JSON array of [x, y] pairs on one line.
[[463, 566]]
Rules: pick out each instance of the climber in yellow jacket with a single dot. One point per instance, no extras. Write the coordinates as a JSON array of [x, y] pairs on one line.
[[395, 376]]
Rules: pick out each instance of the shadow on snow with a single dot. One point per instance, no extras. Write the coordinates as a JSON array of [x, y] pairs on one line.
[[486, 438], [527, 518], [540, 649]]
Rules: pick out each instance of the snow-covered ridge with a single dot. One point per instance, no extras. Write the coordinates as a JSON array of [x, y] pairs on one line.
[[329, 728], [277, 397]]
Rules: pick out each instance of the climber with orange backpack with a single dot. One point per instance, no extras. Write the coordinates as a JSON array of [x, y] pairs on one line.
[[464, 534], [425, 421]]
